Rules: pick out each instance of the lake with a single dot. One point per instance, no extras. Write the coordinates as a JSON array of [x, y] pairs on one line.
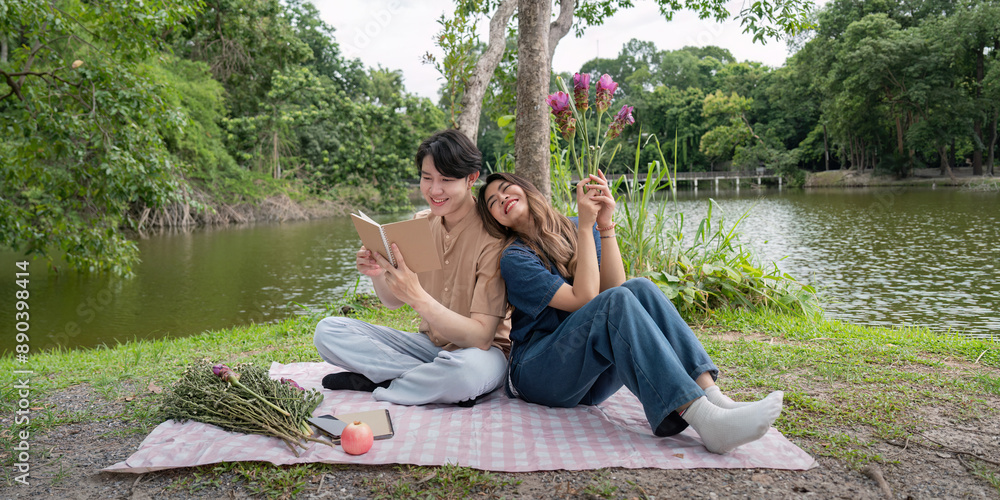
[[887, 256]]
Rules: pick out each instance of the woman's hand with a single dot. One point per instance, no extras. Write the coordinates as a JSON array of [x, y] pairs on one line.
[[587, 206], [605, 199]]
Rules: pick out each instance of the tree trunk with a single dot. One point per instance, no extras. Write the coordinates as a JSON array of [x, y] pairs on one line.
[[475, 90], [472, 100], [952, 155], [899, 135], [977, 151], [977, 122], [990, 161], [531, 140], [945, 167], [277, 164], [826, 149]]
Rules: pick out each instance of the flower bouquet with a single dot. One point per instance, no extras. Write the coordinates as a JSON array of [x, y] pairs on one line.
[[250, 402], [571, 113]]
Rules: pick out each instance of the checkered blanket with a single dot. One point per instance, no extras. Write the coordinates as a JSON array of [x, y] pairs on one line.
[[497, 434]]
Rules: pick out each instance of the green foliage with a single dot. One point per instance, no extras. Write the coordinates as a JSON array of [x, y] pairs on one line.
[[717, 271], [351, 143], [732, 130], [80, 122], [244, 43], [459, 41], [901, 82], [765, 20], [197, 145]]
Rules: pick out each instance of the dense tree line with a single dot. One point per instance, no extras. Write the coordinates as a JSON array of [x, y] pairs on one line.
[[113, 109], [887, 86]]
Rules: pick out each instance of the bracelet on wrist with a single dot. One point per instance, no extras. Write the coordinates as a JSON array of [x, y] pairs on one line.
[[607, 228]]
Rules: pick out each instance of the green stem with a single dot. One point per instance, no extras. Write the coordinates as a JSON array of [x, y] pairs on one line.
[[254, 394], [598, 147]]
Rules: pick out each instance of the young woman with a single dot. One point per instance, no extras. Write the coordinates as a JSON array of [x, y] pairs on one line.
[[580, 331]]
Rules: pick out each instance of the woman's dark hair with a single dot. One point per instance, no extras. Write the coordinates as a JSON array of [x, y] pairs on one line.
[[552, 236], [453, 152]]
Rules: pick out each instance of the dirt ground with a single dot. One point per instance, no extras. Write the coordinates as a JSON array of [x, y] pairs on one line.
[[66, 464]]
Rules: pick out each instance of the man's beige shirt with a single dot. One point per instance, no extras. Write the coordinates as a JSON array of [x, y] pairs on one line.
[[469, 281]]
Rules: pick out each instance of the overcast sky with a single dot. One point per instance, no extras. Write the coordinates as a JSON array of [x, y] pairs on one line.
[[396, 33]]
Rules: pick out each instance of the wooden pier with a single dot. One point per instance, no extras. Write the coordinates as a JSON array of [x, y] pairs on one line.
[[695, 177]]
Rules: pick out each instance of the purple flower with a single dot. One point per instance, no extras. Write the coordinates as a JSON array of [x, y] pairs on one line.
[[581, 91], [605, 89], [622, 119], [225, 373], [291, 383], [625, 115], [559, 102]]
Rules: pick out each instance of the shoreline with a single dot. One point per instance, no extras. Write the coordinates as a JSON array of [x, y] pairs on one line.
[[201, 212], [928, 177]]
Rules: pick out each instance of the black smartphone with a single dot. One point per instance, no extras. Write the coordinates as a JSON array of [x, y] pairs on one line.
[[329, 425]]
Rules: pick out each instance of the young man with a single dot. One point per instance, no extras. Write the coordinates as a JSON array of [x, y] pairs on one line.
[[459, 352]]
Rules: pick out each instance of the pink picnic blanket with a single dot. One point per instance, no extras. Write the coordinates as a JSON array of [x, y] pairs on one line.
[[497, 434]]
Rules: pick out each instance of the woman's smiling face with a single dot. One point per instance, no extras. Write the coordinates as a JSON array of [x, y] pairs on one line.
[[507, 203]]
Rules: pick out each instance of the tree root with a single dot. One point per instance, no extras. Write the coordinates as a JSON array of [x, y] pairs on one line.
[[873, 471]]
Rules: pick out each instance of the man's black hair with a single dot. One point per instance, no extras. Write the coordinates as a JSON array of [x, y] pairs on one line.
[[453, 152]]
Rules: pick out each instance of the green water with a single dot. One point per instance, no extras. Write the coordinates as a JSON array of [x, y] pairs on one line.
[[880, 257]]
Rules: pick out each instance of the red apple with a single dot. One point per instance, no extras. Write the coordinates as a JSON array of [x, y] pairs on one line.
[[357, 438]]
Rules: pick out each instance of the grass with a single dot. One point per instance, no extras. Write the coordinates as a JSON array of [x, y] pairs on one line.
[[846, 386], [446, 482]]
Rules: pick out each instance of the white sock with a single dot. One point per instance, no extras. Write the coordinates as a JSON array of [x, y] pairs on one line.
[[722, 430], [717, 398]]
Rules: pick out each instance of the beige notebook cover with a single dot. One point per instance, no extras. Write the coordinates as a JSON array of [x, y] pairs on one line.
[[378, 420], [413, 237]]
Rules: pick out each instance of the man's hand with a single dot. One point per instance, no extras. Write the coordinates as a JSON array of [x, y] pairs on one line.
[[367, 265], [402, 282]]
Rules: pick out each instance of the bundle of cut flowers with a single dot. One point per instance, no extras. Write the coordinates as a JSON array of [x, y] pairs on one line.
[[250, 402]]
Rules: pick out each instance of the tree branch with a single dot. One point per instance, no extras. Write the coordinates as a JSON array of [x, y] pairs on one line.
[[472, 100], [14, 87], [31, 57], [561, 26]]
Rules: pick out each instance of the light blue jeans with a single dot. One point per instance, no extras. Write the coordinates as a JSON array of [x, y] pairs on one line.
[[628, 335], [421, 372]]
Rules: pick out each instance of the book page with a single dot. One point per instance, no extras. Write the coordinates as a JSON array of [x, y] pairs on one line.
[[367, 218], [371, 235]]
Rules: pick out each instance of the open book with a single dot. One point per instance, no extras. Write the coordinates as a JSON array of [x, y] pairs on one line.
[[412, 236]]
